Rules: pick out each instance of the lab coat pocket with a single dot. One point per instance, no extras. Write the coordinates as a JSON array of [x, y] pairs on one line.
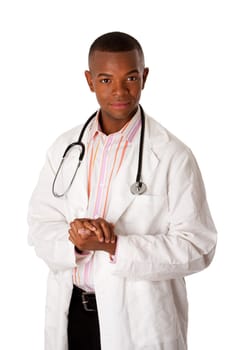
[[153, 317]]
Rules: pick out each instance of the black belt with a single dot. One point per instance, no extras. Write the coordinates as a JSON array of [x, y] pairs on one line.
[[87, 298]]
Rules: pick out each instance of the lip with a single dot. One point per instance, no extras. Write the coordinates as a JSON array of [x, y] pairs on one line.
[[120, 105]]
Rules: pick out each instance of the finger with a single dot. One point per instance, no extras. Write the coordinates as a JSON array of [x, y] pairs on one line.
[[89, 226], [84, 232], [107, 231], [98, 230], [113, 236], [75, 226], [71, 235], [79, 225]]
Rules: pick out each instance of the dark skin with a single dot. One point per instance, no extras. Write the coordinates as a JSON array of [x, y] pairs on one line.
[[117, 79], [93, 234]]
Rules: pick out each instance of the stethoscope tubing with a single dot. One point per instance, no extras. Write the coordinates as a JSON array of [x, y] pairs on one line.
[[81, 156], [136, 189]]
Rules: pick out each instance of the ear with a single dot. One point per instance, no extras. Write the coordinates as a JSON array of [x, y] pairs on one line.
[[145, 74], [89, 80]]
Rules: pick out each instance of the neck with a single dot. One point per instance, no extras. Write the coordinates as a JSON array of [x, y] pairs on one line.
[[110, 125]]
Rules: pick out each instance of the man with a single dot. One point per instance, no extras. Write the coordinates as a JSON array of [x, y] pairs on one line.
[[118, 253]]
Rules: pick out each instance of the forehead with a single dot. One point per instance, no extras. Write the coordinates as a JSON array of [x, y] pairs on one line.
[[108, 61]]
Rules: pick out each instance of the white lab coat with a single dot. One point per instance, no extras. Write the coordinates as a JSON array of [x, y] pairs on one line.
[[163, 235]]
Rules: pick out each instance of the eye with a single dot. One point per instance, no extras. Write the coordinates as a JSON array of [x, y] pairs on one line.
[[132, 78], [105, 81]]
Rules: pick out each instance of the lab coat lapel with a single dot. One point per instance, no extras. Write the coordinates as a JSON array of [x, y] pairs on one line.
[[121, 196], [77, 196]]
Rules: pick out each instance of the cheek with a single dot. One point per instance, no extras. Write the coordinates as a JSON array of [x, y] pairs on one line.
[[102, 92], [136, 93], [135, 90]]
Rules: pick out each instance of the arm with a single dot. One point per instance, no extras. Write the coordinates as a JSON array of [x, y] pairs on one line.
[[48, 227], [189, 244]]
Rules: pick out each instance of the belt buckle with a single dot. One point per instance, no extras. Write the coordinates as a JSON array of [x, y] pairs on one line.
[[85, 301]]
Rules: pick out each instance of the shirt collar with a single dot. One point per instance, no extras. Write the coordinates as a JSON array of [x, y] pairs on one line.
[[128, 131]]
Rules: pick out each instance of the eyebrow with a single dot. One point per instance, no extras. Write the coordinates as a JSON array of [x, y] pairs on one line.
[[133, 71]]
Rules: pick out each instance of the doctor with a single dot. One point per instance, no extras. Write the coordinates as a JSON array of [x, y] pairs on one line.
[[118, 259]]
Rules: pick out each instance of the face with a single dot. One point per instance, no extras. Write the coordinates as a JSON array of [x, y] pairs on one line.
[[117, 79]]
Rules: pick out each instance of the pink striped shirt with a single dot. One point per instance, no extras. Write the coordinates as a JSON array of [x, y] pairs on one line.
[[105, 155]]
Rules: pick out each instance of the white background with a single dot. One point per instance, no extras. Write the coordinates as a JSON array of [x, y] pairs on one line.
[[44, 45]]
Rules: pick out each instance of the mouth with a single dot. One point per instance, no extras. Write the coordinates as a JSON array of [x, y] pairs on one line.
[[120, 105]]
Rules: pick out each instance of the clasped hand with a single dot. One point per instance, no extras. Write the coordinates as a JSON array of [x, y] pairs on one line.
[[93, 234]]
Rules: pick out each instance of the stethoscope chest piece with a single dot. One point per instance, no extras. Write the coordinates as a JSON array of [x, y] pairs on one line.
[[138, 188]]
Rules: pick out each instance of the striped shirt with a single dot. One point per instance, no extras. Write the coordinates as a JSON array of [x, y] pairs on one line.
[[105, 155]]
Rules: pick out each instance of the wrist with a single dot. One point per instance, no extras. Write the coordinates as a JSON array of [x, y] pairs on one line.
[[77, 250]]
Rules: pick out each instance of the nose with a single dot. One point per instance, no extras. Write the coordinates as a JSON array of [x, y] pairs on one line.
[[119, 88]]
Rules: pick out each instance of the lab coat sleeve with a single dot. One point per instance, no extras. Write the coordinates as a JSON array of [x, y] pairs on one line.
[[48, 227], [189, 244]]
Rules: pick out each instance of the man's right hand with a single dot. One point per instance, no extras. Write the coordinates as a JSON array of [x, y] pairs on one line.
[[93, 234]]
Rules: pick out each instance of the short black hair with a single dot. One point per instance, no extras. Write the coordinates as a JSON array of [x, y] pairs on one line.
[[115, 42]]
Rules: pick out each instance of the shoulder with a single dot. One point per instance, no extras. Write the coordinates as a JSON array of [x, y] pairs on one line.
[[175, 158], [172, 153], [163, 141], [58, 147]]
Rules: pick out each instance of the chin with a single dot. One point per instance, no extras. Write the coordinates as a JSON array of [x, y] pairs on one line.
[[122, 111]]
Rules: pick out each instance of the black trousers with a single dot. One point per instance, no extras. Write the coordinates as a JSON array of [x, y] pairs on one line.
[[83, 326]]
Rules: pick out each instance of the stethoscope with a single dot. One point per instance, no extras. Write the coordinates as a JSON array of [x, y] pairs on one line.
[[136, 188]]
